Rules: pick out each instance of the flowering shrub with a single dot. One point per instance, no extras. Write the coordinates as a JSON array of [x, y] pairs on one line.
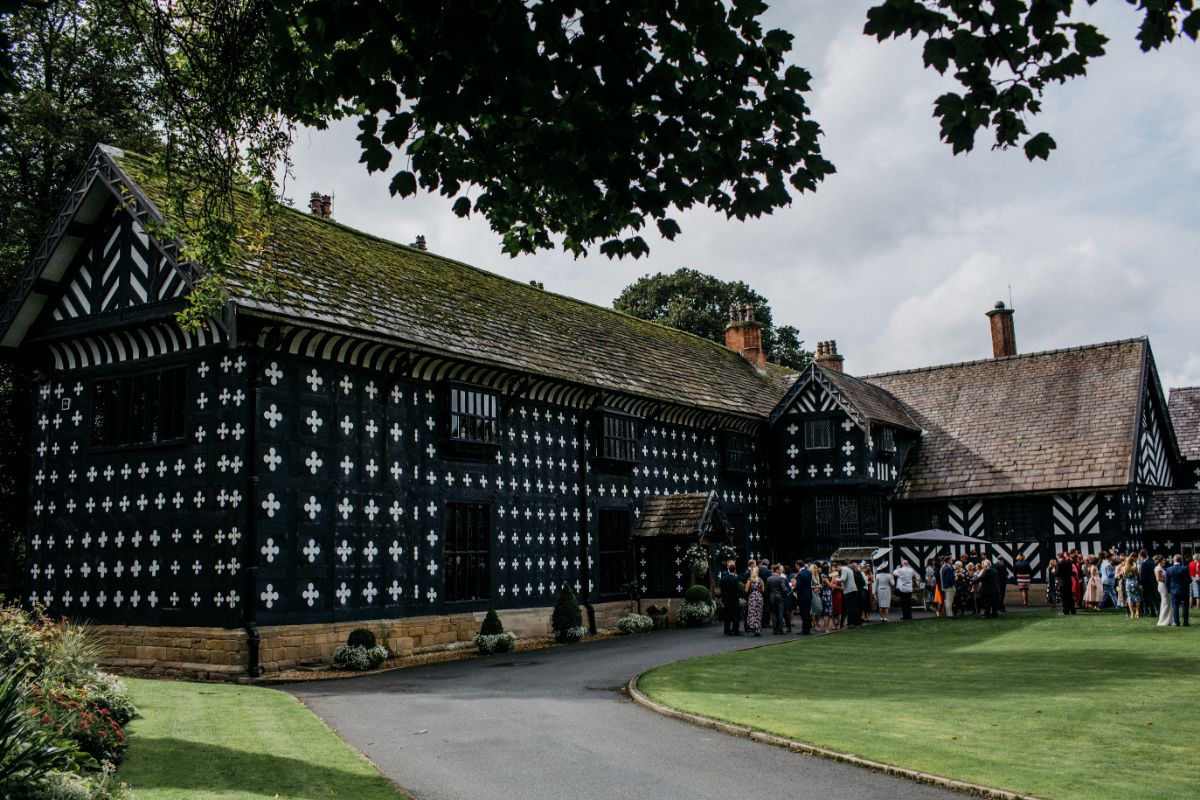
[[574, 634], [72, 714], [360, 658], [635, 623], [724, 554], [102, 785], [695, 614], [495, 642], [695, 560], [108, 691]]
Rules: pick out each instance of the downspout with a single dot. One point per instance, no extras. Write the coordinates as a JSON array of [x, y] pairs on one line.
[[249, 605], [585, 573]]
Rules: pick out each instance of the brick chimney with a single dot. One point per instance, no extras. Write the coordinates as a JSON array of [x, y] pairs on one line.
[[827, 356], [321, 205], [744, 335], [420, 243], [1004, 336]]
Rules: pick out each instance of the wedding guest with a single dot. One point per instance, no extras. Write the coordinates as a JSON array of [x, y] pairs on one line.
[[1024, 574], [754, 603], [905, 577], [1052, 593], [884, 583], [731, 597], [1177, 587], [1164, 597], [1194, 572]]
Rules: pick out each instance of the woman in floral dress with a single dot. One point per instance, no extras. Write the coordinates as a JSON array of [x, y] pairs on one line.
[[754, 604], [1052, 584], [1133, 589], [826, 601]]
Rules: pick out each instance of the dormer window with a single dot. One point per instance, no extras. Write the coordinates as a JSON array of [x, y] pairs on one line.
[[818, 434], [618, 437], [887, 440]]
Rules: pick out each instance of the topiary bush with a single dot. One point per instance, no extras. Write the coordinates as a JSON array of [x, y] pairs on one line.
[[635, 623], [697, 594], [491, 624], [567, 621], [361, 637]]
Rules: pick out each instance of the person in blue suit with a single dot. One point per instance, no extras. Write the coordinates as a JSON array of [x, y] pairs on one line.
[[803, 590], [731, 597], [1178, 581]]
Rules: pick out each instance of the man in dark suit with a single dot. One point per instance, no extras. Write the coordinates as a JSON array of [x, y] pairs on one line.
[[777, 590], [731, 596], [989, 589], [1002, 578], [803, 591], [1149, 585], [1178, 581]]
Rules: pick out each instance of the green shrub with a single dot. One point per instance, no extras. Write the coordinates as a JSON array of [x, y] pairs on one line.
[[361, 637], [102, 785], [724, 554], [566, 617], [108, 691], [697, 594], [492, 625], [695, 614], [489, 643]]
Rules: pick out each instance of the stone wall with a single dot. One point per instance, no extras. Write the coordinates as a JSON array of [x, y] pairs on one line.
[[222, 654]]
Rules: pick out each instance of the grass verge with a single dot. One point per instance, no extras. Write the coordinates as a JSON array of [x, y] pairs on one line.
[[1067, 708], [208, 741]]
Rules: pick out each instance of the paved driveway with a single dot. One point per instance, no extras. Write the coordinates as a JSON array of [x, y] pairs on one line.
[[553, 723]]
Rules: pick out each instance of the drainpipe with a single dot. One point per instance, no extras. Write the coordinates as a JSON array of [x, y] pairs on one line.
[[249, 604], [585, 573]]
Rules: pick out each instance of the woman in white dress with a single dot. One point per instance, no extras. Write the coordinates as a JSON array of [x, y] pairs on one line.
[[1164, 599], [883, 592]]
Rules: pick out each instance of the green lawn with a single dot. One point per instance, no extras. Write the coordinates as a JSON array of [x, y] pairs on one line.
[[206, 741], [1083, 707]]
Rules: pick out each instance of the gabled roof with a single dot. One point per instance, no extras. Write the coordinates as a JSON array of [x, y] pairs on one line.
[[688, 515], [1055, 421], [326, 273], [1184, 410], [1172, 511], [862, 402]]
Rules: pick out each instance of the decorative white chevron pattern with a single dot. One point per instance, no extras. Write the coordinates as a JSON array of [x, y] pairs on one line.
[[1008, 552], [132, 344], [967, 518], [1076, 516], [1153, 469], [123, 267], [814, 399]]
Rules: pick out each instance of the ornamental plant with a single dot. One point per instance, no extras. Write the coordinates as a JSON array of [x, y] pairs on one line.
[[361, 637], [30, 752], [694, 615], [492, 637], [635, 623], [695, 560], [724, 554], [359, 659], [697, 594], [567, 621], [71, 713]]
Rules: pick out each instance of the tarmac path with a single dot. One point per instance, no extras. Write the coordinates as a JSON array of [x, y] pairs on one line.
[[554, 723]]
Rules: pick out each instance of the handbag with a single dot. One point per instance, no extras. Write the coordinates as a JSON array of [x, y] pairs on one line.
[[818, 607]]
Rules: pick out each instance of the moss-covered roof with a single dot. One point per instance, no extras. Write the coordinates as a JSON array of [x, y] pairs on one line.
[[326, 272]]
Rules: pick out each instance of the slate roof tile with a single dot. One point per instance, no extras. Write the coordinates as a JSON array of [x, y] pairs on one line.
[[1172, 510], [1052, 421], [1184, 408], [673, 515]]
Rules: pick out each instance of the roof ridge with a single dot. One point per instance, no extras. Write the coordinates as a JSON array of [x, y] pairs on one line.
[[1114, 343]]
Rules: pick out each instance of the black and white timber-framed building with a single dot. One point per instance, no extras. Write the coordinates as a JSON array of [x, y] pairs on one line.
[[388, 433]]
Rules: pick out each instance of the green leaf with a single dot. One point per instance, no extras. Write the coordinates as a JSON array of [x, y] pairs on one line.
[[1039, 146], [403, 183]]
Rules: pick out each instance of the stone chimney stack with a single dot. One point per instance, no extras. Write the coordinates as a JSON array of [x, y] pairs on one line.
[[1004, 336], [321, 205], [827, 356], [744, 335], [419, 243]]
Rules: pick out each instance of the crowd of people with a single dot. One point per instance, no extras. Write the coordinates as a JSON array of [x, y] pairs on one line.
[[1160, 587], [819, 597]]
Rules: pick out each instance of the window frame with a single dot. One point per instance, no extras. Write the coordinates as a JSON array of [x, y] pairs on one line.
[[810, 425], [739, 460], [625, 450], [470, 447], [158, 410], [622, 554], [476, 533], [887, 439]]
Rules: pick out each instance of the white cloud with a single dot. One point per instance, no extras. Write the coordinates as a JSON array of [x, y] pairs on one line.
[[899, 255]]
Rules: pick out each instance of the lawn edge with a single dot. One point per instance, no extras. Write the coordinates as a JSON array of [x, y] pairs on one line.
[[796, 746]]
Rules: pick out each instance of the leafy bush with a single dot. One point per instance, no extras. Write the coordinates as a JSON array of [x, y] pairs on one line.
[[25, 640], [102, 785], [697, 594], [491, 624], [72, 714], [360, 658], [29, 751], [695, 560], [361, 637], [724, 554], [695, 614], [489, 643], [108, 691], [566, 616], [571, 634], [635, 623]]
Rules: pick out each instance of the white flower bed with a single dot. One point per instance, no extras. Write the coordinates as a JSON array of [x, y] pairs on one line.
[[635, 623]]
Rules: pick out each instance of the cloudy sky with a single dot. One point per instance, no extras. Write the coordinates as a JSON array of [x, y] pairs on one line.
[[900, 253]]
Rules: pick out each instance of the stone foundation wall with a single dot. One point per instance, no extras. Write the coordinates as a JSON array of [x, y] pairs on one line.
[[222, 654]]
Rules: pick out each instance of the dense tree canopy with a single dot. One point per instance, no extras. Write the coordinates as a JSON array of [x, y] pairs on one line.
[[698, 303]]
